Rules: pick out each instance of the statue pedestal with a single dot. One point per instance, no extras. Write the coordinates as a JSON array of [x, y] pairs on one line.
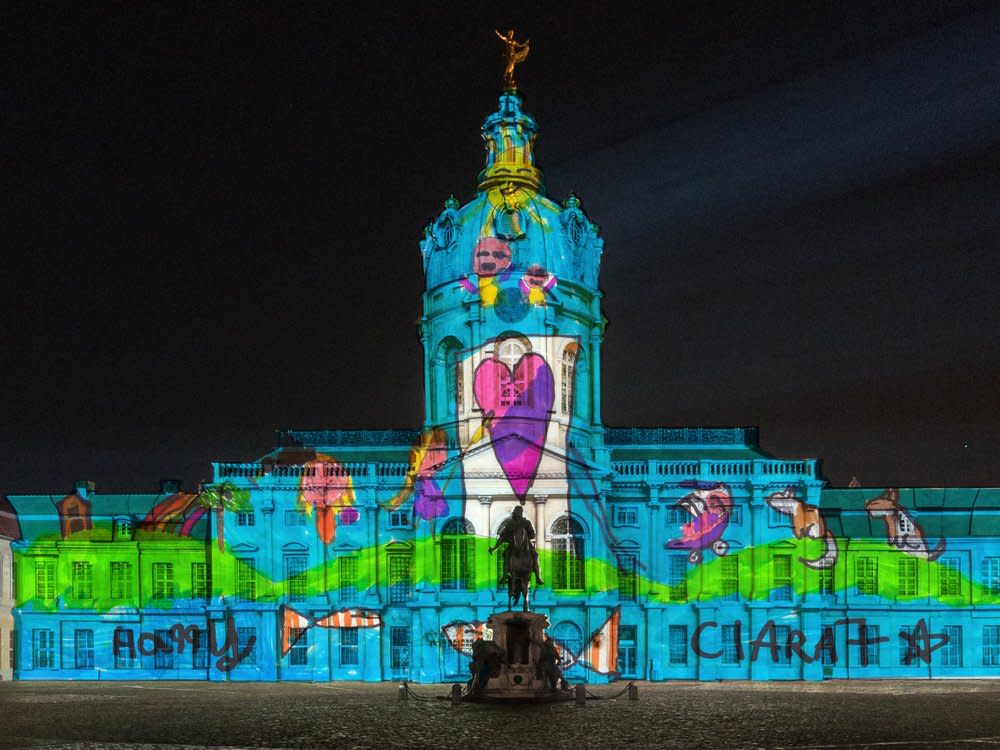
[[520, 635]]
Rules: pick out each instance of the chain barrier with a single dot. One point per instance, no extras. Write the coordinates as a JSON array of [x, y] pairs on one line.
[[619, 694]]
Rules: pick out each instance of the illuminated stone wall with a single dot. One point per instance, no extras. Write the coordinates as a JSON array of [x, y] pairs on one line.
[[681, 553]]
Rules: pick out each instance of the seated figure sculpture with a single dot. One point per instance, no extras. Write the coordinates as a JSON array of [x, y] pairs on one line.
[[487, 657], [548, 665]]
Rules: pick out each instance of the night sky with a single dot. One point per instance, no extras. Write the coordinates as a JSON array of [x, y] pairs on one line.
[[213, 215]]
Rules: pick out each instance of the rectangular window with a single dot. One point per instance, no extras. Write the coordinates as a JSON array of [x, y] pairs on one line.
[[246, 518], [296, 580], [736, 516], [349, 647], [677, 517], [781, 634], [399, 651], [83, 580], [991, 575], [246, 579], [83, 649], [400, 577], [951, 654], [678, 578], [121, 581], [626, 515], [124, 656], [295, 518], [199, 649], [627, 651], [122, 530], [399, 519], [907, 575], [730, 645], [872, 645], [627, 576], [866, 575], [299, 654], [991, 645], [45, 578], [825, 582], [43, 648], [949, 577], [828, 641], [729, 578], [162, 658], [348, 570], [908, 655], [199, 580], [781, 578], [776, 517], [163, 580], [678, 644], [243, 637]]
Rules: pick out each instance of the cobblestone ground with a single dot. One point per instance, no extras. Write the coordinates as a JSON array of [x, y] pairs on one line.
[[896, 714]]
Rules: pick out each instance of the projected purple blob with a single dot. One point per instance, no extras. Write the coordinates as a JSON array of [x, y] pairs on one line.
[[517, 407], [349, 516], [430, 501]]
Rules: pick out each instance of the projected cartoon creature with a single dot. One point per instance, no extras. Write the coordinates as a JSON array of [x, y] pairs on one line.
[[535, 283], [426, 455], [711, 507], [326, 487], [901, 530], [520, 559], [491, 259], [807, 523]]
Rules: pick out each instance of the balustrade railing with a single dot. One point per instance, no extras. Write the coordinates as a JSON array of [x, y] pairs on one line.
[[714, 469], [742, 436]]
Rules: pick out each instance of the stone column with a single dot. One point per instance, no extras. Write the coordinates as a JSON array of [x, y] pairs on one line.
[[655, 524], [595, 377], [424, 342]]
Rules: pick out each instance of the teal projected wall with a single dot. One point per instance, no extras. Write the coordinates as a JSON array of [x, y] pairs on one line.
[[666, 553]]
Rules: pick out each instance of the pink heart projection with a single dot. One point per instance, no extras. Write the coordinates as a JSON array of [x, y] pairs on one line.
[[516, 405]]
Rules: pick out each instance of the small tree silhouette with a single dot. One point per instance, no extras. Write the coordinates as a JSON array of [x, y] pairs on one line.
[[221, 497]]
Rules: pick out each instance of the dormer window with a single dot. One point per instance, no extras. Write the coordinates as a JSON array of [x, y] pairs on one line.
[[122, 529]]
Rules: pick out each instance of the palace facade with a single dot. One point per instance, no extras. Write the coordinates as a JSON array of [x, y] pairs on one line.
[[667, 553]]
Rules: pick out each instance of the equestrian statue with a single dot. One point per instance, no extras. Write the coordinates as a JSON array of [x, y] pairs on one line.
[[520, 559]]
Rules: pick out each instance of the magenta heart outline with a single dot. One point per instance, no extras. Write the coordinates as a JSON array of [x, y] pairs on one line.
[[516, 405]]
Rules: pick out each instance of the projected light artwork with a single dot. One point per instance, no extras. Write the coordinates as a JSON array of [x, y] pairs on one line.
[[666, 553]]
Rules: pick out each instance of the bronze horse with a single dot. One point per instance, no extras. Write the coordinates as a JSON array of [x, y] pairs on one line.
[[520, 563]]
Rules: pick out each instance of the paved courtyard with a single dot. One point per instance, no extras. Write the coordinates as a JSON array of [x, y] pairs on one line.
[[896, 714]]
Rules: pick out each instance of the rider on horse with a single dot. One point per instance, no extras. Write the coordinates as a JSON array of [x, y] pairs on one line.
[[507, 534]]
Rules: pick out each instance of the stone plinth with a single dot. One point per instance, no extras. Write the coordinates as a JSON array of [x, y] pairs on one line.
[[520, 635]]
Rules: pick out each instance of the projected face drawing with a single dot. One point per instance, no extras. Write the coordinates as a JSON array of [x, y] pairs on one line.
[[490, 256]]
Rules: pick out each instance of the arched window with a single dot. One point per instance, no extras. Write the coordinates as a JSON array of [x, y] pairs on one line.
[[569, 638], [568, 560], [566, 378], [458, 555], [510, 351]]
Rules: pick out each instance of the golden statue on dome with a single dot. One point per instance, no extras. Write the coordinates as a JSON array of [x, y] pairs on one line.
[[515, 52]]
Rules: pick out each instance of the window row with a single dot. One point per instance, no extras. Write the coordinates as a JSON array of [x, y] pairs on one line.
[[121, 580]]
